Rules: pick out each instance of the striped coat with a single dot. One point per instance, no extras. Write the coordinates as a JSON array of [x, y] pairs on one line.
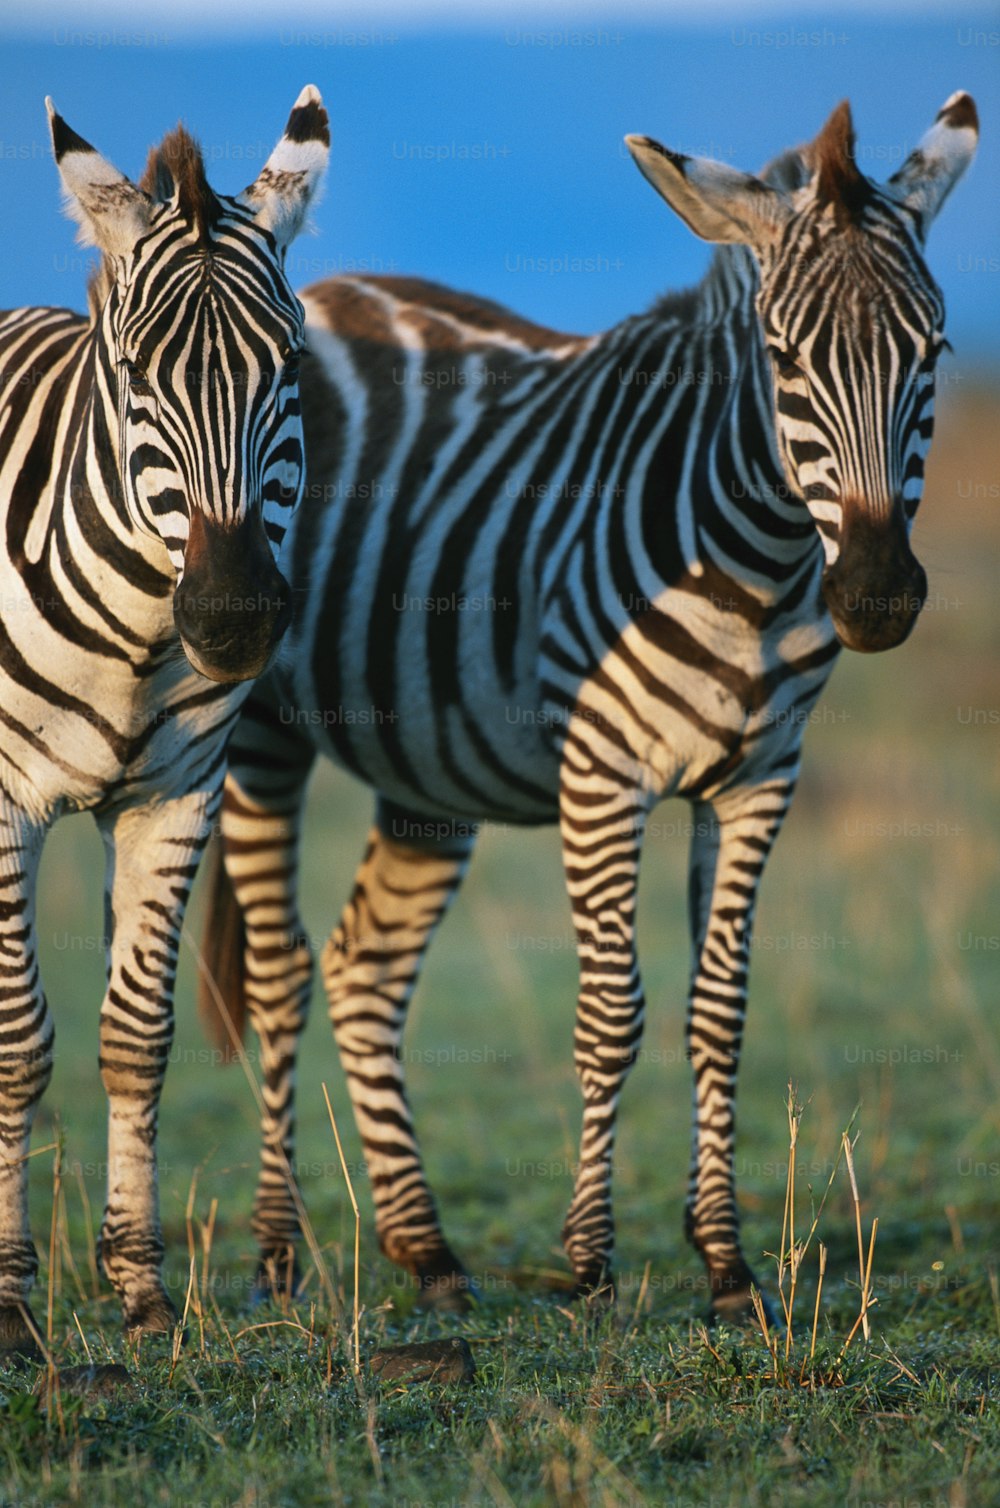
[[549, 578], [150, 456]]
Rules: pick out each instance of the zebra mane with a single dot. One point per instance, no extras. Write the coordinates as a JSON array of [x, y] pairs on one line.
[[176, 167], [732, 270], [832, 158]]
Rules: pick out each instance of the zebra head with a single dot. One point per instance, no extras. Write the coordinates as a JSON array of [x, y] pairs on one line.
[[198, 340], [851, 320]]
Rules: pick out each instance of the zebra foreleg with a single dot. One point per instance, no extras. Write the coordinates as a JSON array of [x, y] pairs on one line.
[[261, 825], [408, 878], [26, 1042], [152, 856], [729, 850], [602, 825]]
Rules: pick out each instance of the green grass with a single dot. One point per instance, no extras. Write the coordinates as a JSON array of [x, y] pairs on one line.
[[874, 980]]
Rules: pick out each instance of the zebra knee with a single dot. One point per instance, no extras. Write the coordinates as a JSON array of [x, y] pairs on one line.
[[25, 1074], [334, 957], [18, 1270], [279, 979]]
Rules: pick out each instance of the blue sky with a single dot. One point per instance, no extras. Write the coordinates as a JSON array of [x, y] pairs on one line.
[[485, 149]]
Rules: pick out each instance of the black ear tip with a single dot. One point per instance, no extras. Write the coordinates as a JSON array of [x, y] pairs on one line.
[[64, 138], [309, 122], [960, 113], [650, 144]]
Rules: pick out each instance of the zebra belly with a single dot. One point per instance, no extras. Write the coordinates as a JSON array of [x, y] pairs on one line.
[[495, 753], [487, 757]]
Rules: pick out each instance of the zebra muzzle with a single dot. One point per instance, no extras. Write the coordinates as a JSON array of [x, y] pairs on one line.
[[876, 587], [232, 605]]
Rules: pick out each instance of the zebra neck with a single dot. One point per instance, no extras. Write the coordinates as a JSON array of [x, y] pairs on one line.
[[704, 494], [68, 533]]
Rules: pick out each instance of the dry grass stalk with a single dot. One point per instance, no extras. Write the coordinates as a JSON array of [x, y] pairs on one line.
[[179, 1328], [761, 1313], [373, 1449], [790, 1257], [224, 1327], [83, 1338], [207, 1237], [849, 1159], [788, 1254], [66, 1258], [643, 1289], [279, 1324], [615, 1486], [357, 1234], [819, 1291], [192, 1256], [866, 1300], [53, 1238]]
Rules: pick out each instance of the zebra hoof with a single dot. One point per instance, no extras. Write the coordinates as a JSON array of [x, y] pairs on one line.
[[595, 1289], [733, 1304], [452, 1293], [152, 1315], [445, 1286], [278, 1278], [17, 1344]]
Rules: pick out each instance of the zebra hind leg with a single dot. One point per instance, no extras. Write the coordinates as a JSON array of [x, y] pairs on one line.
[[272, 962], [408, 877]]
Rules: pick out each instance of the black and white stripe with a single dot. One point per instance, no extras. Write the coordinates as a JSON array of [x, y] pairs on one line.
[[552, 578], [150, 457]]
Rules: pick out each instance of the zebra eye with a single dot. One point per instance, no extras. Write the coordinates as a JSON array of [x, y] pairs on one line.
[[137, 380], [291, 357], [786, 361]]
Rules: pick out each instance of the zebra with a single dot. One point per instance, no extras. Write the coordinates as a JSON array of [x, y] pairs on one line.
[[584, 574], [150, 457]]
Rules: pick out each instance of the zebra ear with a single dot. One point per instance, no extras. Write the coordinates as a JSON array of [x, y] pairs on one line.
[[110, 211], [717, 202], [938, 160], [287, 183]]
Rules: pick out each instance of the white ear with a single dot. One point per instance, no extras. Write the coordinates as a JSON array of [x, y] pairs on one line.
[[110, 211], [939, 159], [717, 202], [287, 183]]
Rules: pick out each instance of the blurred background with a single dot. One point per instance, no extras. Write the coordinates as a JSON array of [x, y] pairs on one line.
[[483, 148]]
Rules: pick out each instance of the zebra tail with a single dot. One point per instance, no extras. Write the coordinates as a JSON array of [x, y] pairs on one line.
[[222, 1001]]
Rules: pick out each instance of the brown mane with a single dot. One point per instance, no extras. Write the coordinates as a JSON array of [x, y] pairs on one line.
[[176, 167], [838, 180]]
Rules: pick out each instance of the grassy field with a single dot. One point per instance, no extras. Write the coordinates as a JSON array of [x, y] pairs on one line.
[[875, 979]]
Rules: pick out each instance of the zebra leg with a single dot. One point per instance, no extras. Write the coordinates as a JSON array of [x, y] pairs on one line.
[[261, 824], [152, 855], [26, 1041], [408, 877], [732, 840], [602, 825]]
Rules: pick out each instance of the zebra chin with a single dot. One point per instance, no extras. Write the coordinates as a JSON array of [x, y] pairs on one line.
[[232, 605], [886, 624], [876, 587], [229, 667]]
